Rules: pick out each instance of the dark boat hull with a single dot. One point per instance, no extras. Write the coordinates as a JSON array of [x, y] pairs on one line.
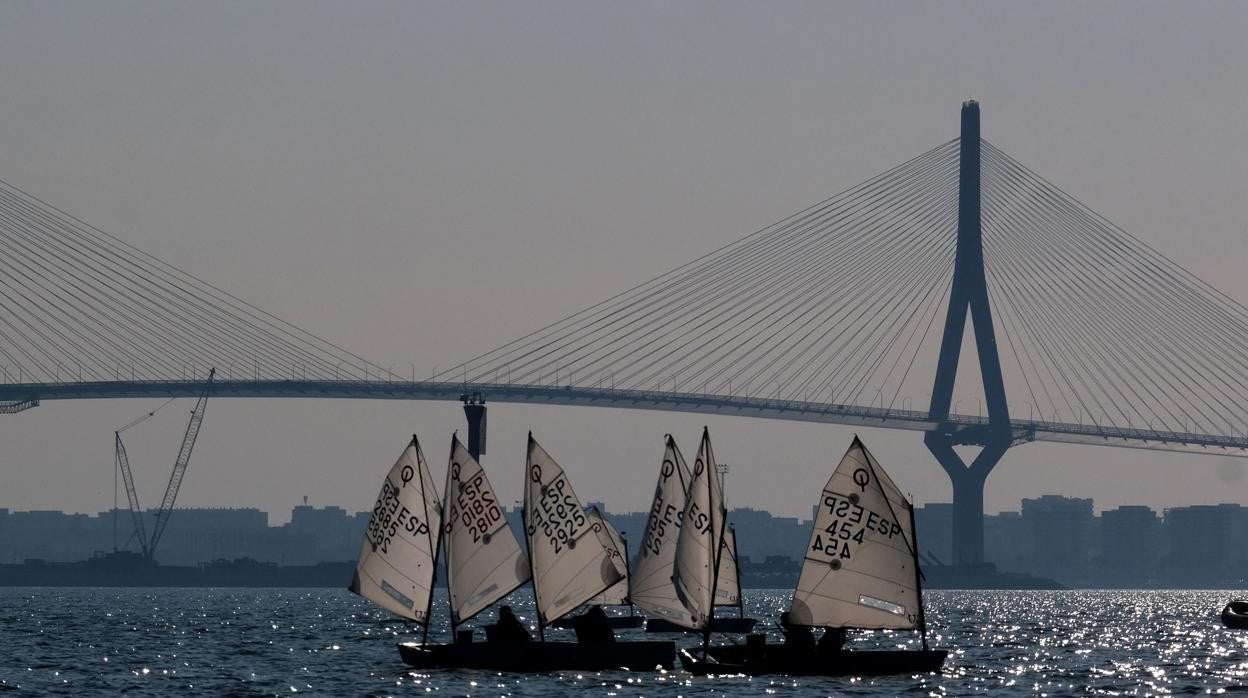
[[616, 622], [1235, 615], [738, 659], [718, 625], [540, 657]]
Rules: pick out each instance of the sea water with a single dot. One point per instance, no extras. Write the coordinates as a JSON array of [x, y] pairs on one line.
[[231, 642]]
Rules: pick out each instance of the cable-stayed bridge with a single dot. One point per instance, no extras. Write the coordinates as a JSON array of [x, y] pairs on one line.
[[853, 311]]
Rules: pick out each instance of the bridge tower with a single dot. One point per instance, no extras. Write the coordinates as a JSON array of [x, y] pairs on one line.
[[969, 295]]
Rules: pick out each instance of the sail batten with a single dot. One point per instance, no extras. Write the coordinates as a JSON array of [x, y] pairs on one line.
[[484, 560], [395, 567], [570, 562], [859, 568]]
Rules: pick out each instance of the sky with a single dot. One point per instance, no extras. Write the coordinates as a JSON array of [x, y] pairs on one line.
[[420, 182]]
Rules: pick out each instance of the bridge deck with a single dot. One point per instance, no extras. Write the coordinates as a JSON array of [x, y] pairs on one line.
[[966, 427]]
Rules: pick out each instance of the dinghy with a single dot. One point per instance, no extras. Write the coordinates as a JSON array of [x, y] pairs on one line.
[[700, 543], [652, 587], [1235, 615], [860, 571], [484, 561]]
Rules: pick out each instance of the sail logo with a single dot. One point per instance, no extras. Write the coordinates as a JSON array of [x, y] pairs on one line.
[[389, 517]]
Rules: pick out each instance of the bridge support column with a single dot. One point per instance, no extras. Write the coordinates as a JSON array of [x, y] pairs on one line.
[[968, 493], [474, 411]]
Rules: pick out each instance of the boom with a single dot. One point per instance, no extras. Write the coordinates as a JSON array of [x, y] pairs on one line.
[[179, 465], [123, 464]]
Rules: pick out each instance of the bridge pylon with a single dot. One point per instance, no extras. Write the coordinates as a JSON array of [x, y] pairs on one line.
[[474, 411], [969, 294]]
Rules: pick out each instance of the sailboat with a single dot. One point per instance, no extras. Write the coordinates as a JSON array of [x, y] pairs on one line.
[[575, 559], [616, 594], [860, 570], [398, 558], [700, 544], [653, 589], [484, 563]]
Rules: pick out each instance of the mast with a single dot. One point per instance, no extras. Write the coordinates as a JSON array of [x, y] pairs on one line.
[[918, 578], [434, 545], [528, 547], [736, 565], [717, 546], [528, 552], [446, 498], [629, 569]]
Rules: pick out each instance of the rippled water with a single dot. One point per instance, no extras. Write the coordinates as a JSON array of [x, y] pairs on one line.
[[328, 642]]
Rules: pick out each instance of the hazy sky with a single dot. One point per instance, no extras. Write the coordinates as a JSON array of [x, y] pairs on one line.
[[423, 181]]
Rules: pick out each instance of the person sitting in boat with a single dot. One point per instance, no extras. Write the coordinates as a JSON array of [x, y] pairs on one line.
[[832, 641], [508, 630], [593, 626], [796, 637]]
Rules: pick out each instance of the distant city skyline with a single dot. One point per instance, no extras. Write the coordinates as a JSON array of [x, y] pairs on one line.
[[1049, 536]]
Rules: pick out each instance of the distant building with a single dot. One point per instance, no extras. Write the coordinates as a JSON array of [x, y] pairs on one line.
[[934, 526], [1006, 542], [1200, 549], [202, 535], [1129, 550], [1061, 539]]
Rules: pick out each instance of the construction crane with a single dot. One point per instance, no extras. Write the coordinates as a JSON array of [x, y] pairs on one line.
[[148, 545]]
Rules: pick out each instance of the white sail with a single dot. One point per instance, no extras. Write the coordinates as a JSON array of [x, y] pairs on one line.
[[570, 563], [484, 561], [701, 534], [728, 587], [616, 594], [859, 568], [651, 587], [395, 568]]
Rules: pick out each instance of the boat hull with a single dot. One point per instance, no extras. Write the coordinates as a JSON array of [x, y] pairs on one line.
[[718, 625], [1235, 615], [616, 622], [737, 659], [539, 657]]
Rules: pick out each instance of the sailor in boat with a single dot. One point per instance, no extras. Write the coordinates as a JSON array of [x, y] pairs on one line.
[[508, 630], [832, 642], [592, 626], [797, 638]]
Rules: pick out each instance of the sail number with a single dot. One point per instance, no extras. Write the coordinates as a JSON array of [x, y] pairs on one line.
[[664, 515], [474, 507], [557, 515], [391, 516], [850, 524]]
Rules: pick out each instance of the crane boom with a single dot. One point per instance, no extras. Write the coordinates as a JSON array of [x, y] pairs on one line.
[[123, 464], [179, 465]]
